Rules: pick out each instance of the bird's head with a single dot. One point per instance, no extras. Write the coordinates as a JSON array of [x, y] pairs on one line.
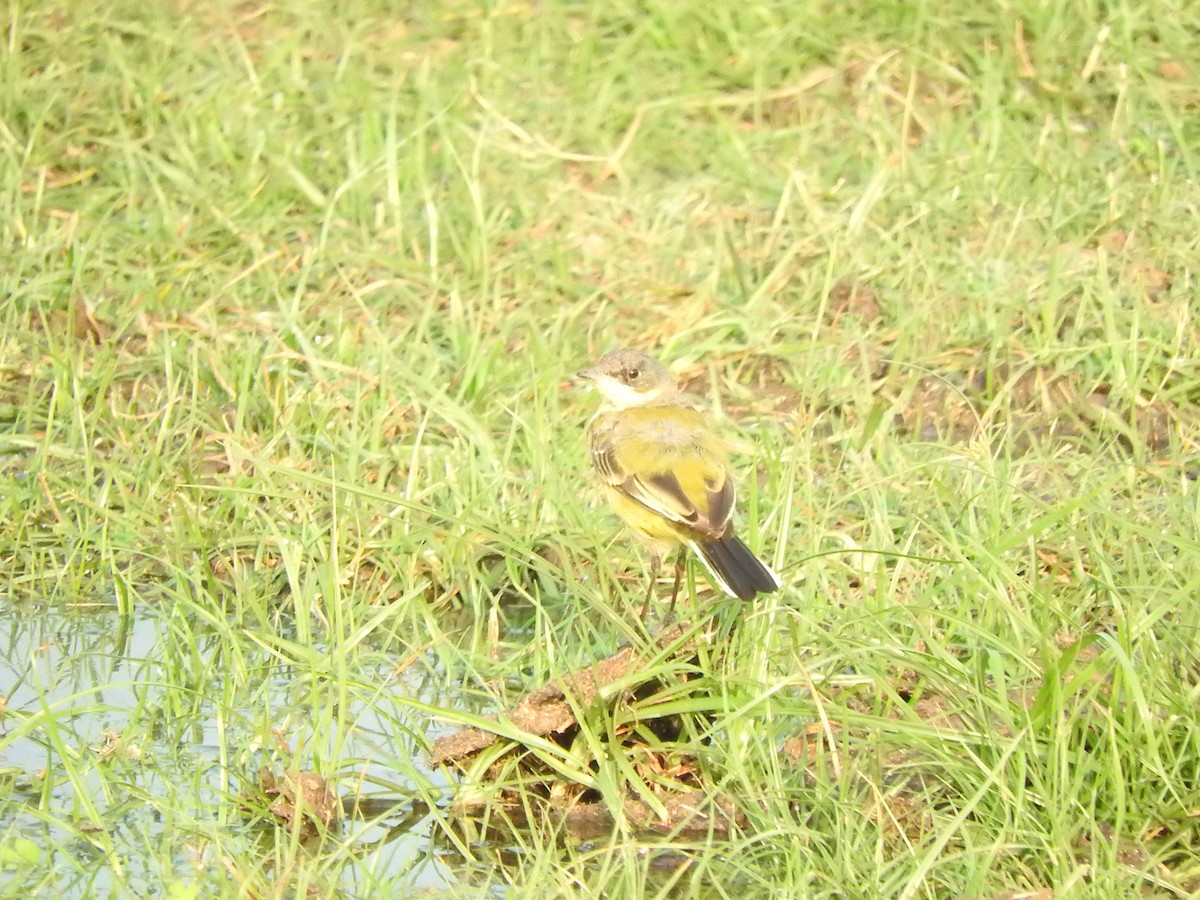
[[630, 378]]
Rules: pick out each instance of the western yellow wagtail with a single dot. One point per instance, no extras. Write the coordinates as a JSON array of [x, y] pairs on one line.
[[666, 474]]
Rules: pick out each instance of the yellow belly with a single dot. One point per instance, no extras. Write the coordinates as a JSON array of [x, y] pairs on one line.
[[647, 525]]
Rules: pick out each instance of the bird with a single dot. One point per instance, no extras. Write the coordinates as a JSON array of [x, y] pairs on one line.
[[666, 474]]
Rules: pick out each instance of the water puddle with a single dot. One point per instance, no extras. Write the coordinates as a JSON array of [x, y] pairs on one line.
[[110, 776]]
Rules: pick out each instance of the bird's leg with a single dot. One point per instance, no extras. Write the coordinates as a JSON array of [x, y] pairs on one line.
[[680, 565], [655, 569]]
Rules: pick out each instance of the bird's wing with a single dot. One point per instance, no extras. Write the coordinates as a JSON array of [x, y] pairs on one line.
[[702, 501]]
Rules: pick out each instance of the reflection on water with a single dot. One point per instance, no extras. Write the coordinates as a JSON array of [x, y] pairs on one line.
[[101, 761], [65, 661]]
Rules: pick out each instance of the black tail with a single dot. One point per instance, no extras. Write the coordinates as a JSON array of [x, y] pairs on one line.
[[735, 568]]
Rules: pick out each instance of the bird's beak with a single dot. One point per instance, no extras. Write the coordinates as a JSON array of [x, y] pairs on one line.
[[588, 374]]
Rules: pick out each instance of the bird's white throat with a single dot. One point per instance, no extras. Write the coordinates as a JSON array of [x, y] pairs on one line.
[[622, 396]]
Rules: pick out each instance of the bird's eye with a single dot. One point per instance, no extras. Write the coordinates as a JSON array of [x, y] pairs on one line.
[[632, 374]]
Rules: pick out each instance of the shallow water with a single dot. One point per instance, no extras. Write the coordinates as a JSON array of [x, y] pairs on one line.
[[102, 770]]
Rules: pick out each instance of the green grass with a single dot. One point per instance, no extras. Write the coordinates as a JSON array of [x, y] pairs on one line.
[[315, 493]]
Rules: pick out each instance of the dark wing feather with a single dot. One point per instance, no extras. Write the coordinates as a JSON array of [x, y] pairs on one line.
[[720, 504], [605, 461], [665, 484], [661, 492]]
